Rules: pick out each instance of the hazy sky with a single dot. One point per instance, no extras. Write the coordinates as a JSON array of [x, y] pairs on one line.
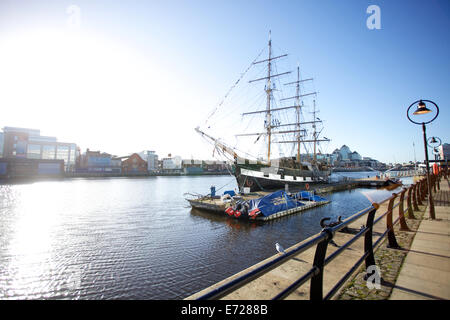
[[124, 76]]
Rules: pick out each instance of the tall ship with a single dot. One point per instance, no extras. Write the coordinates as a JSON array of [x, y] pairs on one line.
[[281, 126]]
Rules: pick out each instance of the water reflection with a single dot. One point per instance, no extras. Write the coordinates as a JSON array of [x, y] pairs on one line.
[[229, 221], [136, 238]]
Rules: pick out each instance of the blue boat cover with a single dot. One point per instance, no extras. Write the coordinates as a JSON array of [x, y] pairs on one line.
[[308, 195], [273, 203], [230, 192]]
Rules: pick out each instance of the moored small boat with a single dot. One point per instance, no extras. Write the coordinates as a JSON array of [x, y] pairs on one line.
[[258, 206]]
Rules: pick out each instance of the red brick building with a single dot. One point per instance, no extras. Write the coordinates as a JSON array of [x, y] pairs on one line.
[[133, 164]]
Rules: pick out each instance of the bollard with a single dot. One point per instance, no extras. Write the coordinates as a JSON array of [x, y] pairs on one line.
[[401, 214], [389, 225]]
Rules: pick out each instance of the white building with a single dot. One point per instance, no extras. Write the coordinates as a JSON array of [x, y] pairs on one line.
[[172, 163], [152, 160]]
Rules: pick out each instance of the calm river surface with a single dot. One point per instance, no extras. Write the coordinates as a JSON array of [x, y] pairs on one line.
[[125, 238]]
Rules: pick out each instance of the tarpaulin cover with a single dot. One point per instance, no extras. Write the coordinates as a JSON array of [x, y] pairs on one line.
[[273, 203], [230, 192], [307, 195]]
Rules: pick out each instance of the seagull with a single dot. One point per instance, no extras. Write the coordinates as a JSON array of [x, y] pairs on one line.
[[279, 248]]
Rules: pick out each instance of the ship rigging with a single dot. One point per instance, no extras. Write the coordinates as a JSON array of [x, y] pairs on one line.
[[269, 172]]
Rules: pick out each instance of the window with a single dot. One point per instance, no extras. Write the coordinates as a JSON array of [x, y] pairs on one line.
[[34, 151], [62, 153], [48, 152], [72, 156]]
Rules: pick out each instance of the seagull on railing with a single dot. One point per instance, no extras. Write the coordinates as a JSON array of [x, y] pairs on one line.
[[279, 248]]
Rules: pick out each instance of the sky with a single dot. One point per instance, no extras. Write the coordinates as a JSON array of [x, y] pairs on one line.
[[127, 76]]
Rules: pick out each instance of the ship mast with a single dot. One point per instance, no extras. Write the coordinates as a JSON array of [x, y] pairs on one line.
[[314, 132], [297, 92], [298, 106], [268, 110], [269, 93]]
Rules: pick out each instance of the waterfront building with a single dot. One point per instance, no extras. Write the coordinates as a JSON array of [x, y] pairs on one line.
[[116, 162], [152, 160], [1, 144], [344, 153], [345, 158], [134, 164], [355, 156], [327, 158], [444, 151], [369, 162], [214, 166], [24, 143], [30, 168], [172, 164], [192, 166], [99, 162]]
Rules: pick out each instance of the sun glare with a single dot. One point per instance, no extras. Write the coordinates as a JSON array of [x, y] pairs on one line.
[[81, 88]]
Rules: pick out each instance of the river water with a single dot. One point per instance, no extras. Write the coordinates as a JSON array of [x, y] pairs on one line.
[[137, 238]]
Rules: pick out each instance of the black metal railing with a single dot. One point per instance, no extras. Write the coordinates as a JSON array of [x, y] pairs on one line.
[[414, 195]]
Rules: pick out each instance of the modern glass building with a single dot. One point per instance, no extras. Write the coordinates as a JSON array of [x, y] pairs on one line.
[[29, 144]]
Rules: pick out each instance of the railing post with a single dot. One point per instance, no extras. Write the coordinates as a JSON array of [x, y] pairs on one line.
[[414, 194], [410, 210], [424, 189], [316, 287], [401, 212], [420, 192], [390, 226], [368, 244]]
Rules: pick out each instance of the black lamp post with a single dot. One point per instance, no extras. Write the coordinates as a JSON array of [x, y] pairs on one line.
[[421, 110]]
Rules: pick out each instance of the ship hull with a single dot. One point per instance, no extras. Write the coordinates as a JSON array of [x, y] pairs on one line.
[[256, 180]]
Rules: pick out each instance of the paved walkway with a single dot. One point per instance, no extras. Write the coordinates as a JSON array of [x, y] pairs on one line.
[[425, 274]]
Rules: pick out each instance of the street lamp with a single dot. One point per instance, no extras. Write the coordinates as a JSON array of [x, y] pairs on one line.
[[434, 143], [422, 110]]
